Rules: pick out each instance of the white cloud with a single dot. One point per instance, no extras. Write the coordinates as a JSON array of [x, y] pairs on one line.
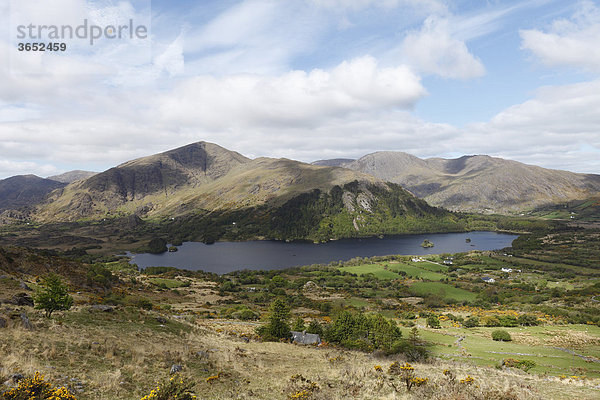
[[430, 6], [568, 42], [11, 168], [199, 88], [297, 97], [558, 128], [253, 36], [433, 50]]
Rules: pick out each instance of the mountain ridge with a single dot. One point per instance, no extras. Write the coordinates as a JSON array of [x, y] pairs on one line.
[[202, 191], [478, 183]]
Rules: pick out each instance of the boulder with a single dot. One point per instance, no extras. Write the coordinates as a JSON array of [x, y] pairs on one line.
[[21, 299], [305, 338], [175, 368], [26, 324], [101, 307]]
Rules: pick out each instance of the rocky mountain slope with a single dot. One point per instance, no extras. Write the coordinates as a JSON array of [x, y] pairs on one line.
[[478, 183]]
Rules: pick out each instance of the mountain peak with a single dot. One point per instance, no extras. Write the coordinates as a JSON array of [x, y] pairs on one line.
[[72, 176]]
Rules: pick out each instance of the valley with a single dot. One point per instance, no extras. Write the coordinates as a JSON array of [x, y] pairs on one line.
[[514, 320], [542, 294]]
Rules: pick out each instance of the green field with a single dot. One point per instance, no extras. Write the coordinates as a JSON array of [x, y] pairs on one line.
[[389, 271], [417, 272], [540, 344], [375, 269], [169, 283], [443, 290]]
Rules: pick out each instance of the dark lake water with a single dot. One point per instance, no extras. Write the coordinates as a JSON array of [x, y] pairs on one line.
[[224, 257]]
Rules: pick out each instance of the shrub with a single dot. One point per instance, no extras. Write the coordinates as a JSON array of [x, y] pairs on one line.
[[364, 332], [98, 275], [433, 322], [406, 373], [508, 321], [315, 327], [501, 335], [490, 321], [157, 246], [37, 388], [299, 325], [246, 315], [525, 365], [175, 388], [301, 388], [52, 295], [471, 322], [528, 320], [144, 304]]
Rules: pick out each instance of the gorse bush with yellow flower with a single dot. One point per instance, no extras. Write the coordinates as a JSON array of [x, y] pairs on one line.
[[36, 388], [177, 387], [406, 373], [301, 388]]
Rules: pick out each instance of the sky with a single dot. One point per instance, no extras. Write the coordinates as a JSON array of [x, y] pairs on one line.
[[302, 79]]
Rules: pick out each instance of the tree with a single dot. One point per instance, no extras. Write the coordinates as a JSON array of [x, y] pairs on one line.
[[278, 327], [299, 325], [52, 295]]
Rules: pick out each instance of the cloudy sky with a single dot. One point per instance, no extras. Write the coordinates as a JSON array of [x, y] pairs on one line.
[[304, 79]]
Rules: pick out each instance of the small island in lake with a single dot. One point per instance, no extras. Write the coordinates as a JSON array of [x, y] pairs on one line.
[[426, 243]]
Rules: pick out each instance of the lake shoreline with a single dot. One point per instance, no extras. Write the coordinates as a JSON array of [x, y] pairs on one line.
[[224, 256]]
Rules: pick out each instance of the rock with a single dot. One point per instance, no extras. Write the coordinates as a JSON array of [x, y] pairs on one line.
[[175, 368], [21, 299], [101, 307], [202, 354], [2, 322], [24, 286], [310, 286], [161, 320], [26, 324], [16, 377], [305, 338]]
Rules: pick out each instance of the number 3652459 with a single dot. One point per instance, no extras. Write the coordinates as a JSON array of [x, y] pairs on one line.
[[42, 46]]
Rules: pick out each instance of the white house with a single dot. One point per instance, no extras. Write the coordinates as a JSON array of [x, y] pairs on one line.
[[507, 270], [488, 279]]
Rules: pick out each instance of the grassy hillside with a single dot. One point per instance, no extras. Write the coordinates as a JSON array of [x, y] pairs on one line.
[[207, 324]]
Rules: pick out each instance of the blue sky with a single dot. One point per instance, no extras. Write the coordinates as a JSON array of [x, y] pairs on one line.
[[306, 79]]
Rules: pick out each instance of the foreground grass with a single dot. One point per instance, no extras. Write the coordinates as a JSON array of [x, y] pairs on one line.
[[121, 354]]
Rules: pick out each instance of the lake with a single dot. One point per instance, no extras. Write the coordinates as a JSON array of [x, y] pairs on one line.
[[224, 257]]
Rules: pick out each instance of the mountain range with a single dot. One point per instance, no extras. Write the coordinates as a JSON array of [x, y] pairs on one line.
[[203, 191], [480, 183]]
